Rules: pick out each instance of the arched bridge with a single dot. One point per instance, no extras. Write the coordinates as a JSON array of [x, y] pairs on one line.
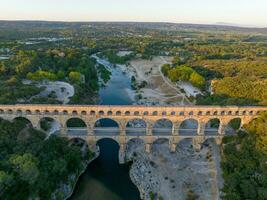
[[148, 123]]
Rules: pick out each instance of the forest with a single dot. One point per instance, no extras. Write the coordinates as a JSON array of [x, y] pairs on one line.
[[244, 162], [70, 65], [32, 166]]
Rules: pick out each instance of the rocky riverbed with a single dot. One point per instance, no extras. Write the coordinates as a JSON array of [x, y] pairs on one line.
[[178, 175]]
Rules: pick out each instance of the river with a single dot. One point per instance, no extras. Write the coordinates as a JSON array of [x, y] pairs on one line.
[[105, 178], [118, 90]]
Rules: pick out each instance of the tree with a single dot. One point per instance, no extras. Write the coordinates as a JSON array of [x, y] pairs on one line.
[[197, 80], [26, 167], [165, 69], [6, 181], [176, 60], [244, 162], [180, 73], [75, 77], [259, 127]]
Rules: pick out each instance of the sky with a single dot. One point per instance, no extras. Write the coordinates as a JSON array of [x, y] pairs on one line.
[[239, 12]]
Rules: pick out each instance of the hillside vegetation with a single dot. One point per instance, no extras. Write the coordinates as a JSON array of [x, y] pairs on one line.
[[244, 162], [32, 167]]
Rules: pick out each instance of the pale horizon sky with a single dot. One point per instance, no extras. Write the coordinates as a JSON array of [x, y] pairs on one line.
[[239, 12]]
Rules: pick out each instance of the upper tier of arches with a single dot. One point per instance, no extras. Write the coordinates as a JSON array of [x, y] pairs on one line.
[[139, 111]]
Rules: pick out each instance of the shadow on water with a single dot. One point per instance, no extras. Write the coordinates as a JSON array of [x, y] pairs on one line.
[[105, 178]]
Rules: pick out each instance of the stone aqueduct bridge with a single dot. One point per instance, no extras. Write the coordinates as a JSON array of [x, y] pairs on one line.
[[123, 114]]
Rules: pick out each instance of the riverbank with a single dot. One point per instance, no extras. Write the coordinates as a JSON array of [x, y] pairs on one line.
[[175, 176], [157, 90], [105, 178], [148, 87], [65, 190]]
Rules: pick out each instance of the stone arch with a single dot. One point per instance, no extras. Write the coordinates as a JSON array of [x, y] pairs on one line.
[[118, 113], [210, 141], [251, 112], [75, 122], [162, 127], [145, 113], [188, 127], [163, 113], [160, 140], [49, 125], [127, 113], [181, 113], [136, 113], [165, 142], [76, 126], [212, 127], [233, 125], [19, 112], [200, 113], [133, 147], [65, 112], [56, 112], [47, 112], [84, 113], [185, 143], [23, 121], [108, 139], [9, 111], [136, 127], [106, 127], [81, 143], [101, 112], [74, 113], [28, 112], [173, 113], [114, 148], [77, 139]]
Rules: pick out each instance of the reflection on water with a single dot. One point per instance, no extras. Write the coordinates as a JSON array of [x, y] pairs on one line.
[[105, 178], [118, 90]]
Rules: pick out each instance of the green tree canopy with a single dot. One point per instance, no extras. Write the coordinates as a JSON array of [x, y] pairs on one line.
[[75, 77]]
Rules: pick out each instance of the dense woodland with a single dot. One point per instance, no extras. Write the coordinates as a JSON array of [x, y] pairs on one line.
[[31, 166], [244, 162], [71, 65]]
